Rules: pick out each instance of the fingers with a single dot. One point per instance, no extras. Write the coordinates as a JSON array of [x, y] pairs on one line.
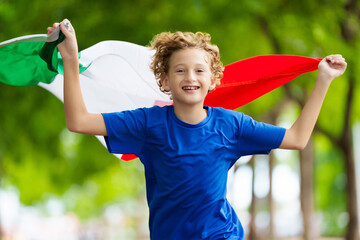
[[335, 59], [51, 29], [65, 27], [335, 65]]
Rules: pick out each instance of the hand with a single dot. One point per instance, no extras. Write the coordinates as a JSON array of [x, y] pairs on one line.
[[332, 67], [68, 48]]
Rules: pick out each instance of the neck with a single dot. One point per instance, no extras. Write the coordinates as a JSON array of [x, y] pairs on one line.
[[190, 114]]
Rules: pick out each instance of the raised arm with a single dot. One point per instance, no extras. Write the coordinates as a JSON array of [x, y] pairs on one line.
[[298, 135], [78, 119]]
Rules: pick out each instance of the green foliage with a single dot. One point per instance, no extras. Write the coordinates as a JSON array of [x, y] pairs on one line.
[[40, 157]]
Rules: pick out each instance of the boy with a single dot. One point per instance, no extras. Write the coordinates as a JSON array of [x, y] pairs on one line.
[[188, 148]]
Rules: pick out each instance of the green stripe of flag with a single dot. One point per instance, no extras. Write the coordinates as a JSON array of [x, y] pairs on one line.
[[28, 60], [21, 64]]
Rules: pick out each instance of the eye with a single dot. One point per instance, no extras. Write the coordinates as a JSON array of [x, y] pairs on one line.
[[200, 70], [180, 70]]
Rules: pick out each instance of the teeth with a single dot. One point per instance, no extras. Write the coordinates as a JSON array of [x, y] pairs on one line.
[[190, 88]]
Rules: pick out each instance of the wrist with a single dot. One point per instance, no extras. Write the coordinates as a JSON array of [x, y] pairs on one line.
[[73, 58], [322, 83], [71, 64], [324, 79]]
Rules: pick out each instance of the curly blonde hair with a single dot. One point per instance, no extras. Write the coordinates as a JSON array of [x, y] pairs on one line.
[[167, 43]]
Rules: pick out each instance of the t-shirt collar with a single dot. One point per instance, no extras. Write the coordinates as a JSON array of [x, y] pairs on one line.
[[182, 123]]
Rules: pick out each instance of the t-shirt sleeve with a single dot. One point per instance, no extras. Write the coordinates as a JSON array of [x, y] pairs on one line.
[[126, 131], [258, 137]]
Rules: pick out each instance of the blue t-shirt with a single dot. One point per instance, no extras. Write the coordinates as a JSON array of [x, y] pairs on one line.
[[186, 166]]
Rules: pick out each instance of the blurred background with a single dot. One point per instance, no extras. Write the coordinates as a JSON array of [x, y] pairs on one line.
[[59, 185]]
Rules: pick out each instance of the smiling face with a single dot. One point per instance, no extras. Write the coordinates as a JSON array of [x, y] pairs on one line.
[[189, 77]]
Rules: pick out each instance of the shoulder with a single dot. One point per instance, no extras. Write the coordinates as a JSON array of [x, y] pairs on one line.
[[156, 116], [155, 111], [140, 119], [226, 113], [145, 111], [139, 114], [238, 120]]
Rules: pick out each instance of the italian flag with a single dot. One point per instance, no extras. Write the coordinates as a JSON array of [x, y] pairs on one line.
[[115, 75]]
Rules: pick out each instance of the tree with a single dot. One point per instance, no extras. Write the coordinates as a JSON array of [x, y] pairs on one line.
[[350, 33], [35, 147]]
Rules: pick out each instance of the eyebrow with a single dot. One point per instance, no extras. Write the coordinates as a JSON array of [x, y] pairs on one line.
[[197, 65]]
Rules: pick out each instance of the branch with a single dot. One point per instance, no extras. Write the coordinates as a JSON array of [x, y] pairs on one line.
[[335, 141], [265, 27]]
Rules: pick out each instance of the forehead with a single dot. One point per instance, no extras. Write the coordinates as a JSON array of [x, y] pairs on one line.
[[189, 56]]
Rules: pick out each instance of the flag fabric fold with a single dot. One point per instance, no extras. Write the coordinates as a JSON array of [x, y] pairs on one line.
[[28, 60], [248, 79], [21, 64], [115, 75]]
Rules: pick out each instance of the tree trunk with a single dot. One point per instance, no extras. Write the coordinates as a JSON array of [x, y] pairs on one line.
[[306, 193], [353, 227], [349, 31], [270, 198], [252, 232]]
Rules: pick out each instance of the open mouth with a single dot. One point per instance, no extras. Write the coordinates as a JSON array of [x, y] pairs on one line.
[[190, 88]]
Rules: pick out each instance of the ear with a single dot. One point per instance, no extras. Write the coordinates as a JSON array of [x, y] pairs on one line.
[[212, 85], [165, 82]]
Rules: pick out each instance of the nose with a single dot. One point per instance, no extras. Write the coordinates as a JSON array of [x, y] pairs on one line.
[[190, 75]]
